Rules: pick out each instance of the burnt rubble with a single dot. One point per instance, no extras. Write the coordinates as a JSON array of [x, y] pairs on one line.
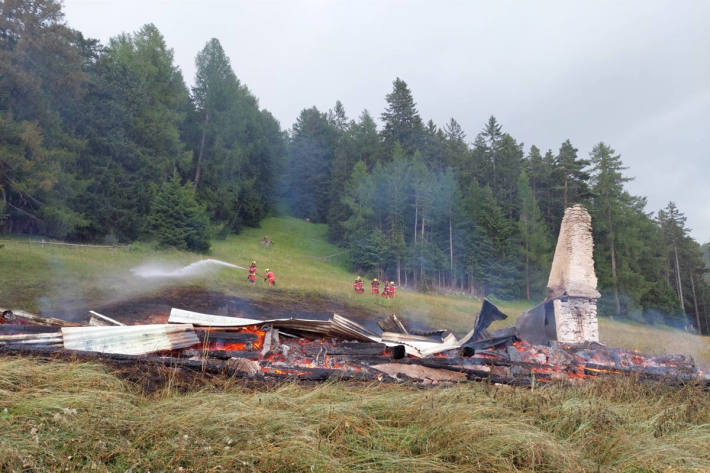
[[339, 348]]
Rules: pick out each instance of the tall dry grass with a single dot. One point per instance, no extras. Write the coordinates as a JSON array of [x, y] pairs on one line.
[[77, 417]]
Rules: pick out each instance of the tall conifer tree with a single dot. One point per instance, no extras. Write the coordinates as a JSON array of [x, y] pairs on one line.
[[535, 239], [571, 174], [608, 187], [402, 123]]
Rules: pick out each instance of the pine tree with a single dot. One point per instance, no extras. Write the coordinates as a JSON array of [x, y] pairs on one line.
[[337, 117], [538, 173], [239, 150], [498, 162], [432, 147], [445, 208], [456, 153], [607, 187], [215, 92], [366, 140], [396, 181], [535, 239], [41, 80], [363, 240], [402, 123], [344, 158], [177, 219], [134, 109], [40, 65], [547, 191], [487, 148], [672, 223], [311, 154], [33, 183], [572, 177]]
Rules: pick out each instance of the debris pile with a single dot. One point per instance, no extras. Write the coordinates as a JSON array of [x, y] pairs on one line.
[[339, 348]]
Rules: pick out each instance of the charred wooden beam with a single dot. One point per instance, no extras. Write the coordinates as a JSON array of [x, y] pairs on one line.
[[10, 315], [316, 374], [221, 354], [471, 348], [226, 337], [352, 349], [8, 329]]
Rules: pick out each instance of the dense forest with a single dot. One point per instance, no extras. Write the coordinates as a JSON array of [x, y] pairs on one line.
[[106, 143]]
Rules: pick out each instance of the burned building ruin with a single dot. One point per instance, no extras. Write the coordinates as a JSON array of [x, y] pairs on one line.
[[550, 343]]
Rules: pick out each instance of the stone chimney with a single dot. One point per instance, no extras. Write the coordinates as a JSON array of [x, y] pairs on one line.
[[573, 284]]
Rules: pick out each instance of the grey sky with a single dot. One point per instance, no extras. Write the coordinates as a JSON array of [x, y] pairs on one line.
[[635, 75]]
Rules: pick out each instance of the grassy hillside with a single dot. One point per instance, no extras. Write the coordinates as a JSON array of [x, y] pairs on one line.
[[48, 278]]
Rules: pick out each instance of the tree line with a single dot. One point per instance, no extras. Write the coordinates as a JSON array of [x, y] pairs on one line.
[[105, 142], [422, 205]]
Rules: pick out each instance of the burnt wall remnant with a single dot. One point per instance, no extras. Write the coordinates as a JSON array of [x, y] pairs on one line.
[[573, 284], [569, 313]]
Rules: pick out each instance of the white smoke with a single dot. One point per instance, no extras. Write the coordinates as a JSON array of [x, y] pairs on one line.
[[198, 268]]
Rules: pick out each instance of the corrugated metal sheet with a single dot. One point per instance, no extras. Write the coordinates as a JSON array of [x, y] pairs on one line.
[[337, 326], [129, 339], [180, 316], [345, 328]]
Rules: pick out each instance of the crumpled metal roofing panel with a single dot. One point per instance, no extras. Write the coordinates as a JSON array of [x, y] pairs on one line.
[[130, 339]]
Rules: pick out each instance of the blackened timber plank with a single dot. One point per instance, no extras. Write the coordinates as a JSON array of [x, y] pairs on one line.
[[222, 354], [316, 374], [11, 314], [228, 337], [354, 349], [7, 329]]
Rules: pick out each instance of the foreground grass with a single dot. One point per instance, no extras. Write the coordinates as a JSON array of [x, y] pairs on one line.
[[77, 417], [307, 268]]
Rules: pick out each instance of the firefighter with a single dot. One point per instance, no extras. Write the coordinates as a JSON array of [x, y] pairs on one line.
[[375, 284], [357, 285], [386, 290], [269, 276], [393, 289], [252, 272]]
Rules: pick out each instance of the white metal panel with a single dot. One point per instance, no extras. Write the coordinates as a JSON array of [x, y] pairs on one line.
[[102, 319], [129, 339], [422, 349], [180, 316]]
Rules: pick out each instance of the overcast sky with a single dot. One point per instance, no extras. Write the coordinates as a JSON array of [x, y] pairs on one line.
[[635, 75]]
